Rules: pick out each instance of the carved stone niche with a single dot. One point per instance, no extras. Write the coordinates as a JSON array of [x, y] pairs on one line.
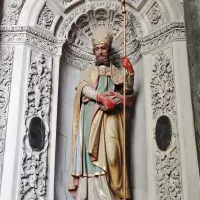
[[78, 51]]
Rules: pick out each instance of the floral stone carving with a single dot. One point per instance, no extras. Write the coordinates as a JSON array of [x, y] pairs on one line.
[[162, 86], [34, 163], [155, 15], [12, 12], [168, 176], [168, 168], [6, 62], [46, 18]]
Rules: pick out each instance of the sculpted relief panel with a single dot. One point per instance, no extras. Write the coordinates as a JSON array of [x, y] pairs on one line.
[[46, 17], [168, 167], [162, 85], [28, 35], [35, 159], [12, 12], [6, 63], [155, 15]]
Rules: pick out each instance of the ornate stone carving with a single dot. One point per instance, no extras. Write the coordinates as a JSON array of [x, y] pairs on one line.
[[168, 175], [12, 12], [162, 86], [155, 15], [34, 163], [164, 35], [79, 51], [168, 170], [31, 36], [6, 62], [46, 17]]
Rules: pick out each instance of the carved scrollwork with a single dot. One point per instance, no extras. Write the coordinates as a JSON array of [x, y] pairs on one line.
[[12, 12], [162, 86], [6, 62], [170, 32], [168, 170], [29, 35], [155, 15], [79, 45], [34, 162], [46, 17], [168, 176]]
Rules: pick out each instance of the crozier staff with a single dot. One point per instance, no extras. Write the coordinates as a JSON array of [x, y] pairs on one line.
[[98, 139], [124, 92]]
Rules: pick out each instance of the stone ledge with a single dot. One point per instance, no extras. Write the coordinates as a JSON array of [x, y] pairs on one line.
[[172, 31], [30, 35]]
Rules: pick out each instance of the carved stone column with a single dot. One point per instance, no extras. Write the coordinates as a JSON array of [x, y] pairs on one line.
[[192, 17]]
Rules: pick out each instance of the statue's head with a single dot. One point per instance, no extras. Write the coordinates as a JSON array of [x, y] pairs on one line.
[[101, 41]]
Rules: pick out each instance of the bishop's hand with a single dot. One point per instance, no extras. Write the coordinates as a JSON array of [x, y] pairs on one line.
[[108, 101], [127, 64]]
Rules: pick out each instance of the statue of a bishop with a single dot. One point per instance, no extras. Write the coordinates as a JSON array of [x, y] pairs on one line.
[[96, 169]]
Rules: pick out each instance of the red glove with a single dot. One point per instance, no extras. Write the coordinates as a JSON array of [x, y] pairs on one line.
[[127, 64], [106, 100]]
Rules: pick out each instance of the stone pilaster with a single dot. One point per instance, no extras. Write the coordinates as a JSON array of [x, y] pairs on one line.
[[29, 63]]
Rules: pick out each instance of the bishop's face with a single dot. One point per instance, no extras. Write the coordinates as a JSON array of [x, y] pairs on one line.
[[101, 52]]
